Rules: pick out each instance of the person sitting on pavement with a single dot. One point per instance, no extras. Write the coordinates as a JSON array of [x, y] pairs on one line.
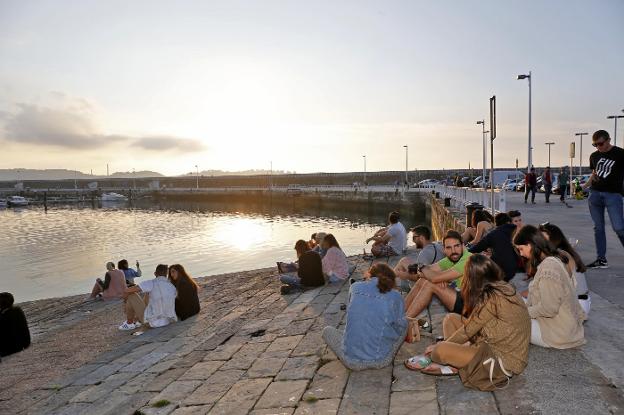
[[113, 286], [318, 238], [391, 240], [14, 333], [151, 302], [498, 240], [516, 218], [430, 253], [482, 223], [575, 264], [335, 264], [129, 273], [309, 272], [187, 300], [315, 245], [556, 315], [376, 324], [442, 279], [312, 242], [492, 344]]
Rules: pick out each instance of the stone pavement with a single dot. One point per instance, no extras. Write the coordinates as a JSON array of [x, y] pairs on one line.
[[253, 351]]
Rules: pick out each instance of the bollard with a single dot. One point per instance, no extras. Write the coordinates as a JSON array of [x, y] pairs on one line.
[[437, 195], [470, 208], [447, 202]]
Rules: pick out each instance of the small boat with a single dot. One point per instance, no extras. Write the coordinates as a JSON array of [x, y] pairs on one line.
[[113, 197], [16, 201]]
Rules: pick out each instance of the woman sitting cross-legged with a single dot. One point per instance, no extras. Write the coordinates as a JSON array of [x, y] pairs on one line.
[[556, 315], [187, 300], [376, 323], [335, 265], [492, 343], [309, 272]]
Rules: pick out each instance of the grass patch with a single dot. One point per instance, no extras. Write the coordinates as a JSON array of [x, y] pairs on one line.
[[161, 403], [310, 399]]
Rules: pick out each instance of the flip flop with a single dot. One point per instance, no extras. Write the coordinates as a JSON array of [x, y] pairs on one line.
[[435, 369], [417, 363]]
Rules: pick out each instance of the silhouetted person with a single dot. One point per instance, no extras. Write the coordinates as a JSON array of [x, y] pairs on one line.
[[14, 333], [530, 185]]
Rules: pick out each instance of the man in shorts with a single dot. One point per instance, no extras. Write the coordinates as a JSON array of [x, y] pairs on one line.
[[391, 240], [430, 253], [442, 279]]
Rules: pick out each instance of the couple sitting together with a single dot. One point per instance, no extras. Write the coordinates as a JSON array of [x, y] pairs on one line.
[[170, 296], [311, 270], [489, 327]]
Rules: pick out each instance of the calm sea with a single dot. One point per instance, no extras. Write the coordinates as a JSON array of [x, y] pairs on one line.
[[60, 252]]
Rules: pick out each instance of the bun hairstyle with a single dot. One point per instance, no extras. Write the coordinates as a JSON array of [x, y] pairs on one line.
[[386, 278]]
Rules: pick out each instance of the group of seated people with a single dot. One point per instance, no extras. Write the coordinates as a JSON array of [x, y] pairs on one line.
[[170, 296], [515, 285], [319, 261]]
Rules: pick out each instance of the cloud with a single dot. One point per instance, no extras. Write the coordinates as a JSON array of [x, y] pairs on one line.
[[163, 143], [74, 127]]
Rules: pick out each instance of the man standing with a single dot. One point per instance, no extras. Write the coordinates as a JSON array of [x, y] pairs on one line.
[[563, 183], [547, 181], [530, 182], [606, 190]]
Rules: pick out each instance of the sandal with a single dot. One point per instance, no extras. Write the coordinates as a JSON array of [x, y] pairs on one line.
[[418, 362], [435, 369]]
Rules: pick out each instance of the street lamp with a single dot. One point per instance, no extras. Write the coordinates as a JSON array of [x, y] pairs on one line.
[[133, 179], [615, 118], [530, 157], [549, 144], [580, 136], [197, 183], [482, 122], [406, 179], [364, 157]]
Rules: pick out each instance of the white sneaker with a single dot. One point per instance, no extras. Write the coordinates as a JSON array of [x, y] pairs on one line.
[[127, 326], [137, 324]]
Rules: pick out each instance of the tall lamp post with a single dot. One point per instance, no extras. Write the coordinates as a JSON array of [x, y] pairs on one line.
[[406, 179], [530, 157], [482, 122], [549, 145], [615, 118], [364, 157], [580, 136], [197, 177]]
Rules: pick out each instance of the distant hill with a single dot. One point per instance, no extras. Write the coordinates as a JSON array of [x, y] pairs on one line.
[[61, 174]]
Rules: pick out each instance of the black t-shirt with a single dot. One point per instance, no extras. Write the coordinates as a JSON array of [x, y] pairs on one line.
[[503, 252], [311, 269], [14, 333], [609, 168], [187, 301]]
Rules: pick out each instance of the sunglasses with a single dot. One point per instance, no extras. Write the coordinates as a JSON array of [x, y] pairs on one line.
[[600, 144]]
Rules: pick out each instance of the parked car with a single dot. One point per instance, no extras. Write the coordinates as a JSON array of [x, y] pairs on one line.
[[509, 185], [427, 182]]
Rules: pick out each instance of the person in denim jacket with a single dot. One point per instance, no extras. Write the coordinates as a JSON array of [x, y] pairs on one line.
[[376, 324]]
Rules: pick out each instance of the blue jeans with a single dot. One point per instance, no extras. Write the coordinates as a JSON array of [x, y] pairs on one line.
[[291, 279], [598, 201]]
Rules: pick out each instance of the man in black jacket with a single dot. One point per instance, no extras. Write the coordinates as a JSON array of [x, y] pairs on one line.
[[499, 241], [14, 333]]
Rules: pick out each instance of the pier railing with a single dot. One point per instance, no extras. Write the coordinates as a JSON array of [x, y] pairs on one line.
[[462, 196]]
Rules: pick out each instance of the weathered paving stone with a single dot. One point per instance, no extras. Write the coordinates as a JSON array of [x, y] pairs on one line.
[[367, 392], [409, 380], [282, 394], [299, 368], [244, 358], [201, 370], [160, 410], [118, 402], [164, 379], [58, 399], [411, 403], [296, 327], [280, 322], [96, 392], [73, 409], [214, 387], [254, 325], [312, 311], [177, 391], [311, 344], [266, 338], [99, 374], [145, 362], [408, 350], [192, 410], [73, 376], [325, 320], [322, 299], [284, 343], [329, 381], [321, 407], [139, 382], [224, 352], [266, 367], [241, 398], [454, 398], [163, 365], [273, 411]]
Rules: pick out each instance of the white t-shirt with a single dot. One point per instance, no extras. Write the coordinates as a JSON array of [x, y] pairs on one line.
[[398, 237], [160, 309]]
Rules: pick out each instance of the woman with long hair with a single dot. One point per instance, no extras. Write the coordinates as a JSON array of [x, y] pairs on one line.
[[376, 323], [335, 264], [496, 331], [187, 300], [309, 271], [556, 316], [575, 264], [482, 223]]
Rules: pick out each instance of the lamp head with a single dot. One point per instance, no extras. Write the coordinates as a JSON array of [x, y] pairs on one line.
[[480, 122], [523, 76]]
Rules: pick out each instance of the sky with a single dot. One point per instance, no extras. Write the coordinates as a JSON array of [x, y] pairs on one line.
[[306, 86]]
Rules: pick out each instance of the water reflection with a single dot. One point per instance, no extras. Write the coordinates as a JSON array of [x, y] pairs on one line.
[[62, 251]]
